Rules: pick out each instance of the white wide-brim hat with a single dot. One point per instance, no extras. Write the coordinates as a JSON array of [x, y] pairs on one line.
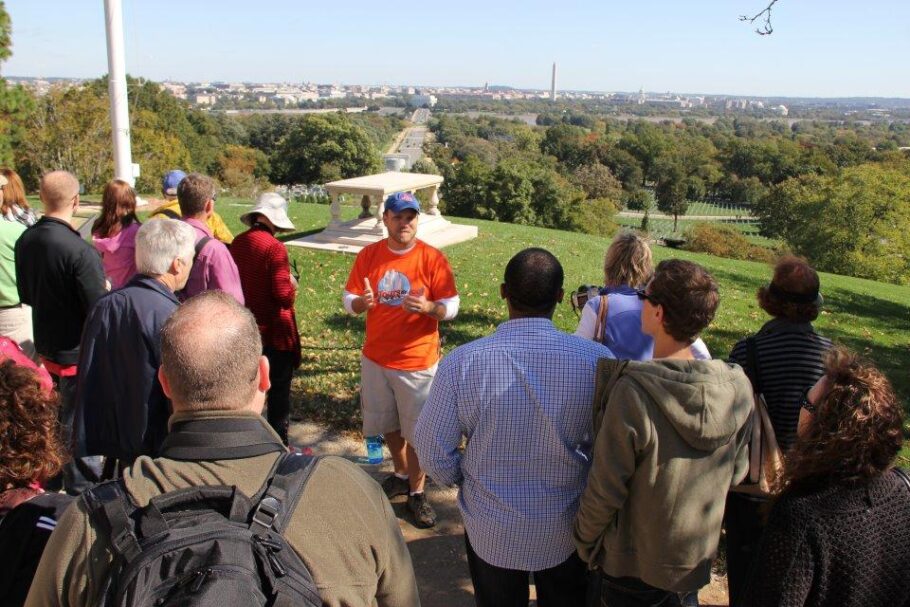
[[274, 207]]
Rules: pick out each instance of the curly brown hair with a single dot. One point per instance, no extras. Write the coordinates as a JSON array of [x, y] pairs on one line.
[[31, 449], [791, 275], [855, 432]]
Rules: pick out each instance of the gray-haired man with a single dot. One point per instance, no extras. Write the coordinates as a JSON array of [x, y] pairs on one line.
[[121, 410]]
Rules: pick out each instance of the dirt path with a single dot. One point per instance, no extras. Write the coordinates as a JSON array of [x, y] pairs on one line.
[[438, 554]]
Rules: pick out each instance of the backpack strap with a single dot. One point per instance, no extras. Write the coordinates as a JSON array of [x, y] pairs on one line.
[[171, 213], [201, 245], [902, 474], [752, 368], [600, 328], [284, 489], [111, 508]]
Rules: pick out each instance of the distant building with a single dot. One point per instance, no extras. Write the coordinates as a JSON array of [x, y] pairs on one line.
[[422, 100], [204, 99], [553, 84]]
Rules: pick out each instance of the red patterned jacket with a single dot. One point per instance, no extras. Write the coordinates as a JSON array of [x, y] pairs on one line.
[[265, 276]]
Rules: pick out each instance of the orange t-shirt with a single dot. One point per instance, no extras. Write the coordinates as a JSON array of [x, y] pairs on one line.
[[396, 338]]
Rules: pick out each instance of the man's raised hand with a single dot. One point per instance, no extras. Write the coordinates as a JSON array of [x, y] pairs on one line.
[[369, 300]]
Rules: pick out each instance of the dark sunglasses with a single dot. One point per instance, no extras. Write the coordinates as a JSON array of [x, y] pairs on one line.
[[805, 403], [643, 295]]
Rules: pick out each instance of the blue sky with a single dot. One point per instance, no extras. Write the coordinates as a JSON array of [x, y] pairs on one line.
[[819, 47]]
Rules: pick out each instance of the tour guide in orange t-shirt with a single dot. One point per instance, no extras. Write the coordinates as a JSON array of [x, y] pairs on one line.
[[406, 287]]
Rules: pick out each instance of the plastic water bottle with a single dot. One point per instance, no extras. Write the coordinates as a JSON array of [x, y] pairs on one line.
[[374, 449]]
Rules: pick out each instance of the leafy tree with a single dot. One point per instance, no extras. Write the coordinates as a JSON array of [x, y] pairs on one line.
[[566, 143], [243, 170], [465, 193], [671, 194], [855, 223], [69, 129], [511, 193], [639, 200], [597, 181], [15, 101], [324, 147]]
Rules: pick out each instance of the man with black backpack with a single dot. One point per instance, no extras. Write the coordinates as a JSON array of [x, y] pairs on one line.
[[226, 516]]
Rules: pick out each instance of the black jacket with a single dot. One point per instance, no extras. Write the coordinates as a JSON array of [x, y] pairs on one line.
[[121, 410], [60, 276]]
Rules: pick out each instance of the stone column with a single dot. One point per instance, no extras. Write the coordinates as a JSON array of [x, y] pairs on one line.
[[380, 207], [335, 209], [365, 205], [434, 202]]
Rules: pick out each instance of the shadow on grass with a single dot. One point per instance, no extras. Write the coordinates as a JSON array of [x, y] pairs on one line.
[[295, 235]]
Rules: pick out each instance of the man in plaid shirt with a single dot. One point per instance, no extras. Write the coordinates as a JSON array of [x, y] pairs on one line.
[[522, 397]]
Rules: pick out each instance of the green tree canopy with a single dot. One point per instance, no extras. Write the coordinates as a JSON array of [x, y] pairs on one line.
[[324, 147], [855, 223]]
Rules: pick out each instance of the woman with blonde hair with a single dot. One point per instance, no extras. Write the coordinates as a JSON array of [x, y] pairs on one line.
[[13, 204], [839, 532], [114, 232], [614, 318]]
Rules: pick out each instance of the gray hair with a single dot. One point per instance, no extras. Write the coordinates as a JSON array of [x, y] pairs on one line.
[[160, 241], [210, 349]]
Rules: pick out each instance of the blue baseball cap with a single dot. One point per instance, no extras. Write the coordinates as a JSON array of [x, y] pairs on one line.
[[171, 181], [400, 201]]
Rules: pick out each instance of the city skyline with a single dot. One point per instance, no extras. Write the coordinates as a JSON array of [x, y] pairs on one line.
[[817, 49]]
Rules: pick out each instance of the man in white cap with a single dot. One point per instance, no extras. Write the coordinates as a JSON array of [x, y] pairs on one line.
[[269, 290]]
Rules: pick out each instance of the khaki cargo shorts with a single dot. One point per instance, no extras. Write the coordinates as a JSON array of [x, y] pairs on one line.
[[390, 399]]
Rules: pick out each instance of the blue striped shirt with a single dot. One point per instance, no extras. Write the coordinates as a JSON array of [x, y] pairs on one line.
[[522, 397]]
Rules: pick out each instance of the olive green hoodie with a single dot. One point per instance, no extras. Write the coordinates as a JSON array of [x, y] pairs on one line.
[[671, 442]]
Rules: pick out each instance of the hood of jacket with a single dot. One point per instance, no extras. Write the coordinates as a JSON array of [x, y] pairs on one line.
[[124, 238], [706, 401]]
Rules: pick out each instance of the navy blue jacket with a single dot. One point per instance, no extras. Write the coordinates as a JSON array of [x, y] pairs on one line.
[[121, 410]]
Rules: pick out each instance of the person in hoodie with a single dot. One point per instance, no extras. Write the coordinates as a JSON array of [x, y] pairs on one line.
[[114, 232], [672, 439], [121, 409]]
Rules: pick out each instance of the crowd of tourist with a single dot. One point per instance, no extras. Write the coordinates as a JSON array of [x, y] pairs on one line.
[[145, 397]]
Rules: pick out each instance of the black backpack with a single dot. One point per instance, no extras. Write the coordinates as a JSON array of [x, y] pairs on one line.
[[208, 545]]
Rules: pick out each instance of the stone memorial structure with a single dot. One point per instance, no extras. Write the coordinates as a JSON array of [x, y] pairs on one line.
[[367, 228]]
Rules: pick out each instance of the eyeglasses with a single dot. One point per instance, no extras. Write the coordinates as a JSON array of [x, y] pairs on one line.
[[642, 294], [805, 403]]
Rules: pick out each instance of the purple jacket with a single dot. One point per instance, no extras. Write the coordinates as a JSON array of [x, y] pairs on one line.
[[118, 255], [214, 268]]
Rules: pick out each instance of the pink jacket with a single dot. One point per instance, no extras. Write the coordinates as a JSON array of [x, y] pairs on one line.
[[118, 255]]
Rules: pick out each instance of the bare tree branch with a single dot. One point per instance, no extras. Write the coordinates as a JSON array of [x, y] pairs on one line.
[[765, 28]]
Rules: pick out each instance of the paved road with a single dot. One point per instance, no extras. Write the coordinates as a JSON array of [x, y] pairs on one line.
[[720, 218], [411, 143]]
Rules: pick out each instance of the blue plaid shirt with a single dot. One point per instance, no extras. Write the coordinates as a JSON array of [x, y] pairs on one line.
[[522, 397]]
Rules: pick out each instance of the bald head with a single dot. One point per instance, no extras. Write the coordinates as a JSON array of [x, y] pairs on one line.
[[210, 351], [57, 191]]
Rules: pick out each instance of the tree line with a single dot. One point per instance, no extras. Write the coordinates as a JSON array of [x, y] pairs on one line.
[[835, 194]]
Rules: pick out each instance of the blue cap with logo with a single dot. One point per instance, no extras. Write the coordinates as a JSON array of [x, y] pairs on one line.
[[401, 201], [171, 181]]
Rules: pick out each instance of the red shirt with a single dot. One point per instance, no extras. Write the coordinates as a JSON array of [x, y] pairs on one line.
[[265, 276], [396, 338]]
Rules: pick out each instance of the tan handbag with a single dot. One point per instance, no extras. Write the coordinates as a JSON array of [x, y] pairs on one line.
[[766, 462]]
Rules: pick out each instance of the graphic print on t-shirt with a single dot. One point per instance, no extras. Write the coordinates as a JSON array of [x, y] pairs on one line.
[[393, 288]]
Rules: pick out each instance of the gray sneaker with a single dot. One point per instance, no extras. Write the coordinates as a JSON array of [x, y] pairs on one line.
[[394, 486], [424, 516]]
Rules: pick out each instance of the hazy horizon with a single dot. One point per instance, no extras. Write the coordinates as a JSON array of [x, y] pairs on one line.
[[833, 49]]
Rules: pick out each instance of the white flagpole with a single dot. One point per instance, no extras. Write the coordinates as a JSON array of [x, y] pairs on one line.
[[116, 67]]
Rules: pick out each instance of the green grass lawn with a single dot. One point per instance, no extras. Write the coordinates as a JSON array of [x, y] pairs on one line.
[[871, 317], [663, 226]]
